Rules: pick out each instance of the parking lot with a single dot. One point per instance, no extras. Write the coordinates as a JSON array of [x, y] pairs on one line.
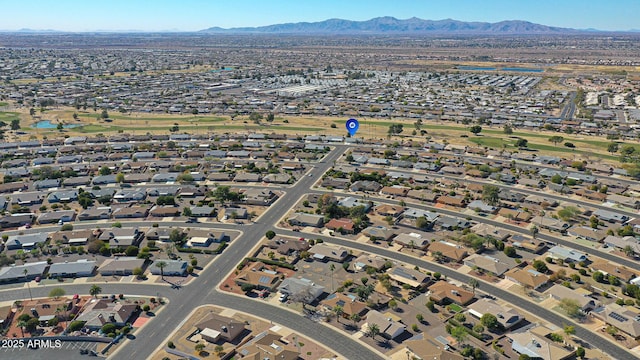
[[68, 350]]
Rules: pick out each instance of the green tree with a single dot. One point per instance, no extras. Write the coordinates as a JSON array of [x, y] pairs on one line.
[[571, 307], [490, 194], [510, 251], [459, 333], [507, 129], [15, 124], [95, 291], [270, 234], [475, 129], [104, 114], [489, 321], [556, 139], [105, 171], [580, 352], [568, 213], [612, 147], [540, 266], [522, 143]]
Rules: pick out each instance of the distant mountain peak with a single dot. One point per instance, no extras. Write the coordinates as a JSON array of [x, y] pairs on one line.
[[389, 24]]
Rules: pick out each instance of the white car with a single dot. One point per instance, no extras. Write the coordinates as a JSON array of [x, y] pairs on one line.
[[283, 297]]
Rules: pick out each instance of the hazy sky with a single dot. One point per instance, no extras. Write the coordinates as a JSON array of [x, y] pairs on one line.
[[192, 15]]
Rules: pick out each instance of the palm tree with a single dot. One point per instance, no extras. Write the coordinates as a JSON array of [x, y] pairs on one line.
[[332, 267], [22, 325], [95, 291], [161, 265], [373, 330], [474, 283], [28, 285], [355, 318], [338, 310]]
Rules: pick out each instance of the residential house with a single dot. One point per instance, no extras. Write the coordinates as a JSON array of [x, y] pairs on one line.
[[27, 199], [366, 260], [451, 223], [62, 196], [46, 184], [268, 345], [487, 264], [132, 212], [608, 268], [258, 196], [79, 268], [515, 215], [620, 243], [344, 225], [481, 206], [580, 296], [326, 252], [215, 328], [25, 241], [591, 195], [422, 346], [161, 233], [628, 201], [208, 211], [507, 317], [164, 211], [533, 342], [456, 201], [445, 293], [25, 272], [388, 210], [73, 237], [623, 318], [129, 195], [378, 233], [99, 213], [528, 244], [448, 251], [335, 183], [351, 202], [304, 219], [204, 237], [366, 186], [527, 277], [121, 237], [170, 268], [349, 303], [395, 190], [567, 254], [549, 223], [486, 230], [414, 240], [423, 195], [52, 217], [611, 216], [120, 265], [247, 177], [258, 275], [403, 275], [99, 312], [389, 328], [301, 288], [587, 233]]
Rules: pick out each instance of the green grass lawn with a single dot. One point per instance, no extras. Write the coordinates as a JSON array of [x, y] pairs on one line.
[[2, 103], [8, 116]]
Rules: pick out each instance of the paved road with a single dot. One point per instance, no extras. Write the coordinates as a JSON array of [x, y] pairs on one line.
[[548, 315]]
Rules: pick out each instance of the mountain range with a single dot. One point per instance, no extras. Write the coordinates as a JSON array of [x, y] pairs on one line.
[[391, 25]]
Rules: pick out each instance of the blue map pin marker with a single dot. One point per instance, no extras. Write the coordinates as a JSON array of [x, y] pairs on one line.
[[352, 126]]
